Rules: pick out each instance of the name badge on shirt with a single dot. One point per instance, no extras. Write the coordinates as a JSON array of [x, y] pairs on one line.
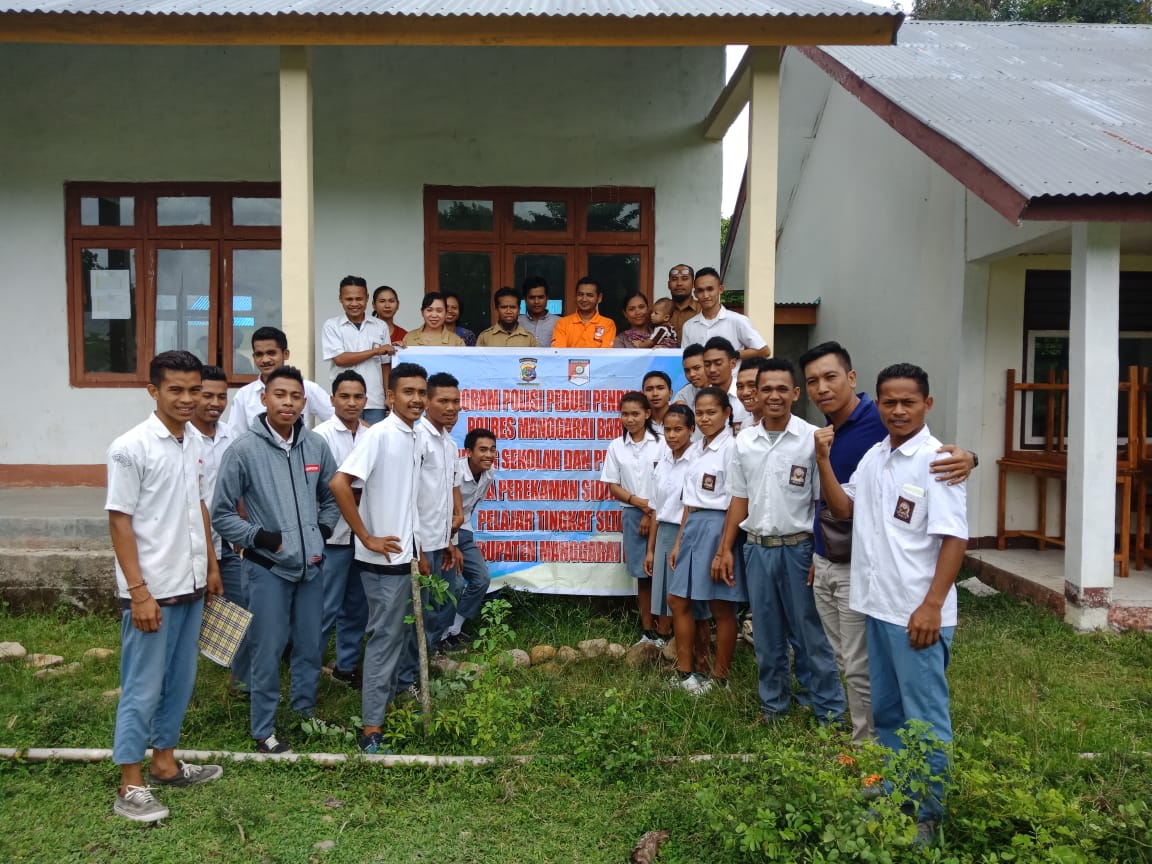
[[708, 482], [904, 509], [798, 476], [598, 333], [312, 469]]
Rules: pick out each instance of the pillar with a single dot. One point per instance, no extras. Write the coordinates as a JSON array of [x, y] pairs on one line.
[[760, 196], [296, 231]]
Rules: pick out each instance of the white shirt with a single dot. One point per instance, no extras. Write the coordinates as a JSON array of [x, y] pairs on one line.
[[741, 416], [901, 515], [246, 405], [472, 490], [340, 335], [631, 463], [733, 326], [159, 482], [668, 486], [340, 441], [212, 451], [706, 478], [779, 479], [386, 459], [438, 458]]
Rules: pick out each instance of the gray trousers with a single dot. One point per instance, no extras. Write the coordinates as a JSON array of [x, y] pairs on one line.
[[847, 632], [389, 596]]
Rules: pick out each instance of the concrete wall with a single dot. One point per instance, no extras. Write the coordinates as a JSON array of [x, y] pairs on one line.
[[387, 121]]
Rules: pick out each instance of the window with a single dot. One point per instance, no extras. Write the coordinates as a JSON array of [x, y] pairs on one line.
[[154, 267], [479, 239]]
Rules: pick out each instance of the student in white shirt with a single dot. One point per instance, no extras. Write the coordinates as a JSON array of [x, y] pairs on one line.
[[720, 359], [773, 479], [270, 352], [358, 341], [714, 320], [345, 608], [747, 388], [694, 374], [387, 460], [657, 387], [706, 498], [628, 468], [165, 565], [909, 536]]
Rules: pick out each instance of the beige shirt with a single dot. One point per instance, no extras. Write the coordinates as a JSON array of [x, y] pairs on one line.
[[418, 337], [498, 337], [679, 316]]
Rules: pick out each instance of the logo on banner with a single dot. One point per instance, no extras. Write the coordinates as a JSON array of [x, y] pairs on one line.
[[528, 370], [579, 371]]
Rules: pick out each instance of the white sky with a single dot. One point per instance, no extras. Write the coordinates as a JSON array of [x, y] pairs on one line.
[[735, 142]]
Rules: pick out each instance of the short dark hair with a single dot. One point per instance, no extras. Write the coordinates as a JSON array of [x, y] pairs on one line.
[[285, 372], [348, 375], [904, 370], [357, 281], [430, 298], [405, 370], [270, 334], [682, 410], [823, 350], [708, 271], [214, 373], [719, 343], [441, 379], [756, 363], [656, 373], [475, 435], [638, 398], [693, 350], [533, 282], [381, 290], [775, 364], [588, 280], [632, 296], [450, 295], [173, 361], [505, 292]]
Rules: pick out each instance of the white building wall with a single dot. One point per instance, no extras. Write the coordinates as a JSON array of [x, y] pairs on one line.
[[387, 121]]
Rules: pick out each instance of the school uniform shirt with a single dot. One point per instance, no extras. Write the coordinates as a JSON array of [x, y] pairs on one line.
[[498, 337], [706, 478], [341, 441], [668, 486], [341, 335], [733, 326], [212, 450], [779, 478], [246, 405], [472, 490], [741, 417], [900, 518], [387, 459], [158, 480], [438, 477], [632, 463], [419, 337], [541, 328], [572, 332]]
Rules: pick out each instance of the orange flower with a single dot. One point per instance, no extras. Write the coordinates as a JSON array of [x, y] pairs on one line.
[[873, 779], [846, 759]]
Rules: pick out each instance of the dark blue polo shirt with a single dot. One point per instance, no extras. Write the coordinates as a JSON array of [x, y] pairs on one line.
[[854, 437]]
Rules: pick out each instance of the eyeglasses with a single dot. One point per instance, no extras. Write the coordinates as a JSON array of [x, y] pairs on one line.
[[684, 272]]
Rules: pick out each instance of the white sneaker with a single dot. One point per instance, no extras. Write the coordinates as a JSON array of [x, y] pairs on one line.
[[138, 805], [696, 684]]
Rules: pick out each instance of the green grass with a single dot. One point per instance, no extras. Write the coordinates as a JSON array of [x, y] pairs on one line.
[[1029, 697]]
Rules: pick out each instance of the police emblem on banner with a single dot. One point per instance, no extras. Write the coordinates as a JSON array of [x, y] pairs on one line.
[[579, 371], [528, 370]]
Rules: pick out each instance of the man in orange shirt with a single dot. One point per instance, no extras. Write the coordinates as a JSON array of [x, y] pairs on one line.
[[586, 328]]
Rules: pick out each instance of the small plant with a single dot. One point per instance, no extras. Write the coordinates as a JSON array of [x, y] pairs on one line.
[[614, 742], [314, 727], [495, 635]]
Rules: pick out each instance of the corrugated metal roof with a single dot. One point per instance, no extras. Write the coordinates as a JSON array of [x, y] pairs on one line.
[[1052, 109], [457, 8]]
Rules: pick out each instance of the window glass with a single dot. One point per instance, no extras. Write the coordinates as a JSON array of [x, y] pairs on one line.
[[109, 295], [469, 275], [183, 210], [540, 215], [464, 215], [108, 211], [256, 211], [255, 301], [184, 302], [617, 276], [614, 216]]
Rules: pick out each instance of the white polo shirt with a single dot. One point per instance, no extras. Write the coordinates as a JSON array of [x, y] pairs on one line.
[[386, 459], [246, 405], [159, 482], [779, 478], [900, 517], [631, 464], [340, 441], [438, 477], [341, 335], [472, 490], [212, 451], [668, 486], [741, 416], [733, 326], [706, 478]]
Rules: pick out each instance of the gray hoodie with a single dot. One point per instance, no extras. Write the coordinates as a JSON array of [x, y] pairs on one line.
[[286, 499]]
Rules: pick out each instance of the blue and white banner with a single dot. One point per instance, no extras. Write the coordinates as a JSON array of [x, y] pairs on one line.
[[548, 524]]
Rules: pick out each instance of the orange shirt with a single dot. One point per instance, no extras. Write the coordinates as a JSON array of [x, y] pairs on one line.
[[571, 332]]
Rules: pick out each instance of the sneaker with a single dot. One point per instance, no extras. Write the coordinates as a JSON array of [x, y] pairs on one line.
[[413, 692], [138, 805], [677, 678], [354, 679], [696, 684], [272, 745], [373, 744], [645, 639], [927, 833], [188, 775]]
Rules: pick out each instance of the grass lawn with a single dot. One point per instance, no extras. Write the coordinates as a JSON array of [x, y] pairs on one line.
[[1029, 698]]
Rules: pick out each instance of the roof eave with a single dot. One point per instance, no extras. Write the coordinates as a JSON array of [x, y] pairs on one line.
[[1089, 208], [567, 30]]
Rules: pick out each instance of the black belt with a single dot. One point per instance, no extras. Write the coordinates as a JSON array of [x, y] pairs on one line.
[[386, 569]]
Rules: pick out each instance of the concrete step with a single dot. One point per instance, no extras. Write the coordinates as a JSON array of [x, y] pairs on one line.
[[44, 579], [54, 518]]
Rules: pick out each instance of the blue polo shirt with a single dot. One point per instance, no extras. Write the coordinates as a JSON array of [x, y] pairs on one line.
[[854, 437]]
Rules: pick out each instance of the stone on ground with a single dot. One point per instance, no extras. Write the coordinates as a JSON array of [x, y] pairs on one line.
[[668, 652], [43, 661], [324, 845], [642, 654], [615, 650], [593, 647], [518, 658], [12, 651], [974, 586], [567, 654], [99, 653], [53, 671], [541, 654], [111, 694]]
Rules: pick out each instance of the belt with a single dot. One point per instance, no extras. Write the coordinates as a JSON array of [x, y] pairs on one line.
[[385, 569], [704, 510], [771, 541]]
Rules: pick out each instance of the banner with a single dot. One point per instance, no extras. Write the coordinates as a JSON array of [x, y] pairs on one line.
[[548, 524]]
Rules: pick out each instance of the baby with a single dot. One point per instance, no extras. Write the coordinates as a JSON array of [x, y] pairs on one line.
[[663, 336]]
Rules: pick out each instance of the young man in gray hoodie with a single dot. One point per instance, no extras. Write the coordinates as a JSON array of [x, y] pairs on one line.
[[280, 469]]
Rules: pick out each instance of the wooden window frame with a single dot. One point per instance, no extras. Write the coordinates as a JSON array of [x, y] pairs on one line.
[[146, 237]]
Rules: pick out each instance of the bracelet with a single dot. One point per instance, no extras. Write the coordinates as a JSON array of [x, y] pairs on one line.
[[137, 585]]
